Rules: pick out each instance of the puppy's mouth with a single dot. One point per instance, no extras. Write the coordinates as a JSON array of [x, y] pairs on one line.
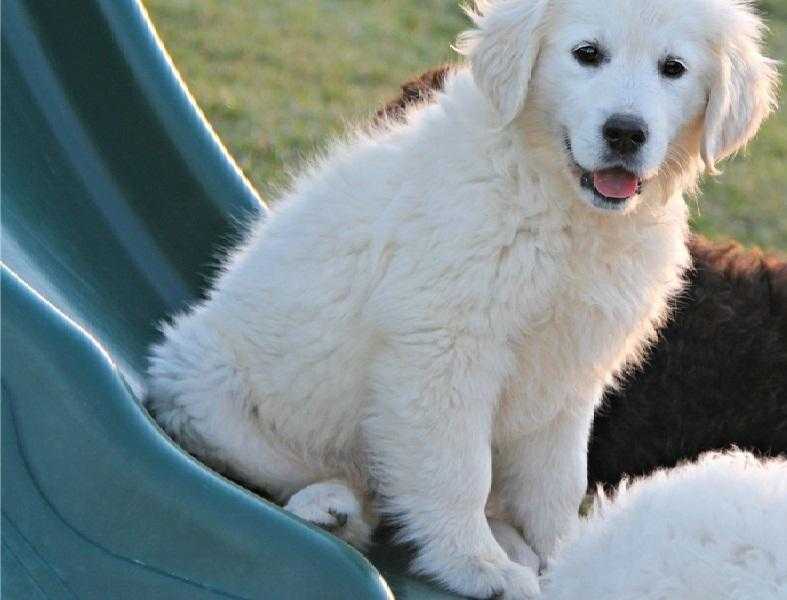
[[615, 185], [611, 187]]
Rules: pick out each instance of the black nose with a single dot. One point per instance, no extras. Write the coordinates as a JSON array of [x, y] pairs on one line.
[[625, 134]]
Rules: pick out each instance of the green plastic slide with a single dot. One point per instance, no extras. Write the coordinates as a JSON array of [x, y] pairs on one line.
[[116, 198]]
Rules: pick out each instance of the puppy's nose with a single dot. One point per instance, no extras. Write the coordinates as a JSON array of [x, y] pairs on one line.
[[625, 134]]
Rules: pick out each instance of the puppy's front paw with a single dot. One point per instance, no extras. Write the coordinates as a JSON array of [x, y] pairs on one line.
[[514, 544], [333, 506], [520, 583], [479, 577]]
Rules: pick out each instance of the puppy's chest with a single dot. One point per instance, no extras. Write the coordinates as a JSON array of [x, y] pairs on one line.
[[580, 286], [594, 314], [605, 283]]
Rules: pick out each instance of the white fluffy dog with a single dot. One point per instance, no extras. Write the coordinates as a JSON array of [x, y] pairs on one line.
[[714, 530], [424, 326]]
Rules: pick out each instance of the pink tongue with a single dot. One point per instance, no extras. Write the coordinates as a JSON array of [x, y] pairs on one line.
[[615, 183]]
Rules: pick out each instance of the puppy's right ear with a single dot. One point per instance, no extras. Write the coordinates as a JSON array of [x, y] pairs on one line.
[[503, 48], [744, 91]]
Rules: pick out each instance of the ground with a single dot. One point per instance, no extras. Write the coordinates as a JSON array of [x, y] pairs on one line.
[[277, 78]]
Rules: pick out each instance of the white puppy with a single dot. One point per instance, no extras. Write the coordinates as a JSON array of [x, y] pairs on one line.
[[713, 530], [425, 324]]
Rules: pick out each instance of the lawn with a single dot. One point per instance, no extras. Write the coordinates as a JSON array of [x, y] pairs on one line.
[[276, 78]]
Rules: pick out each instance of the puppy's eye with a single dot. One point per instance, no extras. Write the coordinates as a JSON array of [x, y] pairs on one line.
[[672, 68], [587, 54]]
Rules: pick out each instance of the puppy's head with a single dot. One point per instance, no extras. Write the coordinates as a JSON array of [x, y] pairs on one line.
[[625, 91]]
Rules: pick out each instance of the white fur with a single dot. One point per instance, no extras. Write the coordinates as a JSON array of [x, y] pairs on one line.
[[335, 507], [433, 310], [716, 529]]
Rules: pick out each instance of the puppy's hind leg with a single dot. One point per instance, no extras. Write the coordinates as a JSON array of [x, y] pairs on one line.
[[335, 507]]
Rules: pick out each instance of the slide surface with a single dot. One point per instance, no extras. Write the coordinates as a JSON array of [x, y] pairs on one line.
[[116, 200]]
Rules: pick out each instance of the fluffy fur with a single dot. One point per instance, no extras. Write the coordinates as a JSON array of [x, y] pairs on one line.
[[716, 377], [429, 332], [714, 529]]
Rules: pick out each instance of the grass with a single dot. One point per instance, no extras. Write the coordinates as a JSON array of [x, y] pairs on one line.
[[276, 78]]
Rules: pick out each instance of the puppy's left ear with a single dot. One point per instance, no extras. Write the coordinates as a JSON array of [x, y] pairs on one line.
[[503, 49], [744, 92]]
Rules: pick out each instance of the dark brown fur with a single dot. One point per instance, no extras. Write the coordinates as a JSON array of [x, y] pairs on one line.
[[420, 89], [718, 375]]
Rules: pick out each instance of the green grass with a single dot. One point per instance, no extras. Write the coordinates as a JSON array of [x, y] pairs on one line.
[[276, 78]]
